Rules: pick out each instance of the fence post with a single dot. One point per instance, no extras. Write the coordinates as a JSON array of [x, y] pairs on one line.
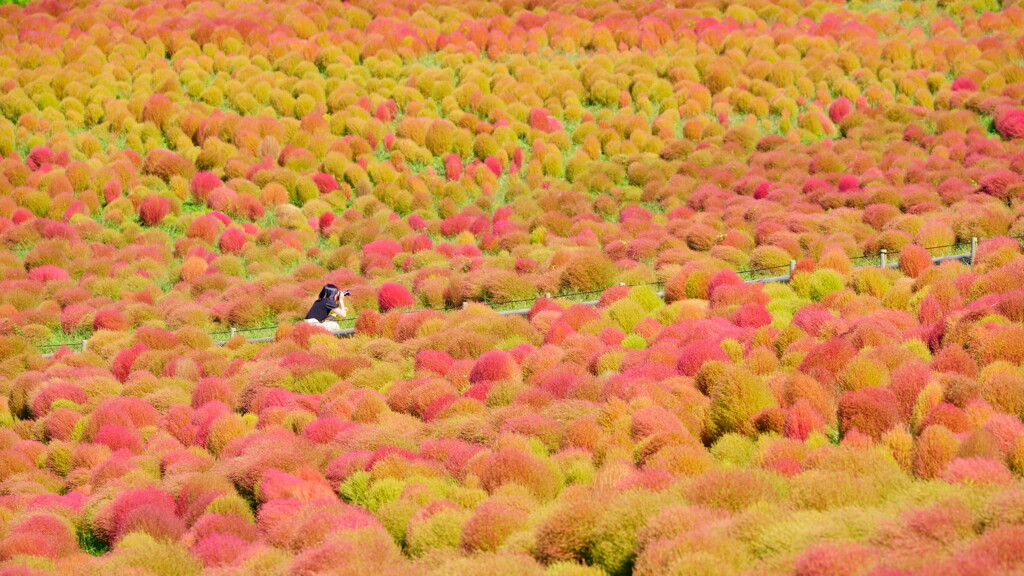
[[84, 342], [792, 268], [232, 331], [547, 295], [885, 258], [974, 249]]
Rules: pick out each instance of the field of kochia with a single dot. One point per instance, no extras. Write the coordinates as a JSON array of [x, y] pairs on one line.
[[174, 170]]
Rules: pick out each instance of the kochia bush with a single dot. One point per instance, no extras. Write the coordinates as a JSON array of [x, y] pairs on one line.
[[872, 411], [392, 296]]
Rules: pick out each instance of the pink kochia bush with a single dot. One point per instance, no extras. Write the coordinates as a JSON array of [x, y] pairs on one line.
[[39, 534], [48, 273], [148, 510], [1010, 122], [493, 365]]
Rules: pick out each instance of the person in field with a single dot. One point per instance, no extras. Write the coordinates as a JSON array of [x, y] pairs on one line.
[[328, 308]]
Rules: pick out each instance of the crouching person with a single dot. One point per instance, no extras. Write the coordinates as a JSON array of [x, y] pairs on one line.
[[328, 308]]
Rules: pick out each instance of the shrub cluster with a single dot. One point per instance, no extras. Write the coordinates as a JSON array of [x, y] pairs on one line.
[[176, 168]]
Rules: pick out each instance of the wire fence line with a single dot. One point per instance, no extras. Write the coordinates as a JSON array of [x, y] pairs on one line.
[[769, 274]]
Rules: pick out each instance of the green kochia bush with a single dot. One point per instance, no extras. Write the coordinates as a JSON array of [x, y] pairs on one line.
[[737, 395], [819, 284], [442, 529], [613, 540], [587, 271], [626, 313]]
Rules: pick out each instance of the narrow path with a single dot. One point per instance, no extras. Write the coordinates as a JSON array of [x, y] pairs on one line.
[[524, 311]]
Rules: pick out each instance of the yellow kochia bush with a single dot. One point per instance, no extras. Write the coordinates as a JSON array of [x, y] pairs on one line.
[[439, 137]]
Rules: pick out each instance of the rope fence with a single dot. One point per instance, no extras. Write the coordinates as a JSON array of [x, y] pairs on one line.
[[782, 273]]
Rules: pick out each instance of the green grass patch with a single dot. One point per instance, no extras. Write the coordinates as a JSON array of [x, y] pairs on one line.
[[91, 544]]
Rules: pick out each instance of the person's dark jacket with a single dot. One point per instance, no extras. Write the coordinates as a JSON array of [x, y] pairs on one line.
[[321, 309]]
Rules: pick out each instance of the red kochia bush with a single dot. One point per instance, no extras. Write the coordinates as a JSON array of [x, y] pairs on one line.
[[722, 278], [963, 83], [325, 428], [60, 390], [839, 109], [510, 465], [233, 524], [834, 559], [39, 535], [325, 182], [39, 157], [452, 167], [914, 260], [827, 359], [209, 389], [872, 411], [305, 485], [752, 315], [118, 437], [977, 470], [232, 240], [391, 296], [997, 551], [695, 354], [493, 365], [1010, 122], [124, 411], [1000, 184], [802, 419], [123, 361], [112, 190], [135, 508], [540, 119], [948, 415], [1004, 429], [954, 359], [368, 322], [60, 423], [202, 184], [219, 549], [158, 109], [1011, 305], [48, 272], [812, 318], [154, 209], [435, 361], [109, 320], [14, 462], [451, 453], [384, 247], [205, 228], [326, 220], [656, 420]]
